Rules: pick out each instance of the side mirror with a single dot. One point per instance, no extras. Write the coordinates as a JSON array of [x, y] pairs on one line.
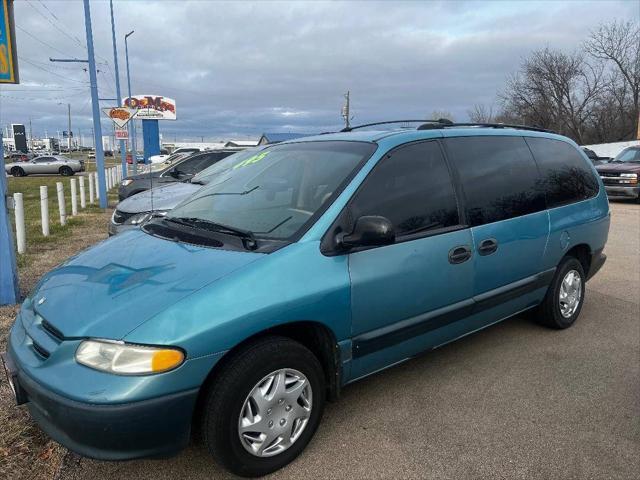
[[370, 231]]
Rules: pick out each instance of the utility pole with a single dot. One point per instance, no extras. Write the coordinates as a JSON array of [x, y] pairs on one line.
[[346, 111], [132, 125], [69, 127], [97, 128], [123, 153]]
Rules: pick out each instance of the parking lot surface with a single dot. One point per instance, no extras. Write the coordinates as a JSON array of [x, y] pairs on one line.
[[514, 401]]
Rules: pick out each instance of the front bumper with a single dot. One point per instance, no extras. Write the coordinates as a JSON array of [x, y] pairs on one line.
[[622, 192], [157, 427]]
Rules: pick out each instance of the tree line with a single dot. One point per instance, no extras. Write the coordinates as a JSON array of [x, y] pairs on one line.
[[590, 95]]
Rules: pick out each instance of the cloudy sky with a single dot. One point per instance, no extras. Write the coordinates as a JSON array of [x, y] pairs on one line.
[[239, 69]]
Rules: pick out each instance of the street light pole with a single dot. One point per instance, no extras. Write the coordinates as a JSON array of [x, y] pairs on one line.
[[123, 154], [97, 128], [132, 125]]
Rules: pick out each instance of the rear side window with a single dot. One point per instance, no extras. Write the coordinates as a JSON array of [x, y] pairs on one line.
[[565, 175], [412, 188], [499, 177], [193, 165]]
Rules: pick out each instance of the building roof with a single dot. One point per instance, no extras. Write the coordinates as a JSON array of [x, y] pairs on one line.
[[241, 143], [280, 137]]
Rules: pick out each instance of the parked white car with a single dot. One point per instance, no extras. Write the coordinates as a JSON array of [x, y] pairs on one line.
[[162, 158], [54, 164]]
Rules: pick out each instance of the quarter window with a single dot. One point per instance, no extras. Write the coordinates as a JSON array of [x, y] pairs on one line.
[[412, 188], [565, 176], [499, 177]]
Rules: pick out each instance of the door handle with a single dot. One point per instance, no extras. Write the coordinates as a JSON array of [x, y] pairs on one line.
[[459, 254], [488, 246]]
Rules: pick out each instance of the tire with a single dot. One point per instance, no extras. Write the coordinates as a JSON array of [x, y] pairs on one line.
[[549, 313], [18, 172], [229, 392], [65, 171]]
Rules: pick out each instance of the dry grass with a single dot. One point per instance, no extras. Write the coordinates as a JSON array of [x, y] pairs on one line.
[[25, 451]]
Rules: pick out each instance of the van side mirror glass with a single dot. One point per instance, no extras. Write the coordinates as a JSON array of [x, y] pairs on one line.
[[370, 231]]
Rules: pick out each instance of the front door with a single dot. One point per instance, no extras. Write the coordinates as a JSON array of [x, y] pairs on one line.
[[405, 296]]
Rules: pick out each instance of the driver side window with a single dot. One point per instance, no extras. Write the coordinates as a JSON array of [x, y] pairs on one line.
[[412, 188]]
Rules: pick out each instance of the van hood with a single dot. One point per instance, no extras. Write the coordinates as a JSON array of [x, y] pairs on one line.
[[163, 198], [113, 287]]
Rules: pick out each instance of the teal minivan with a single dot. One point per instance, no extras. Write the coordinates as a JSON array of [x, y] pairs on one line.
[[297, 271]]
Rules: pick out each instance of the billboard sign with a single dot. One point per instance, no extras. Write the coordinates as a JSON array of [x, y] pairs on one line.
[[152, 107], [121, 133], [119, 115], [19, 137], [8, 57], [66, 134]]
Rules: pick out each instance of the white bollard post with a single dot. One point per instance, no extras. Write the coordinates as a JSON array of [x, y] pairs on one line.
[[95, 177], [44, 210], [61, 205], [74, 197], [91, 185], [21, 243], [83, 199]]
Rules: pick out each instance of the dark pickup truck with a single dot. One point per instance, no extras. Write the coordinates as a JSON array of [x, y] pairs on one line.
[[620, 176]]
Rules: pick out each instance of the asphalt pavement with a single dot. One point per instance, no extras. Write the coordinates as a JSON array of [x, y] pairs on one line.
[[514, 401]]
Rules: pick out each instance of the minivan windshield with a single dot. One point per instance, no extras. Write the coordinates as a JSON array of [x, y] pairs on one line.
[[628, 155], [270, 193], [205, 176]]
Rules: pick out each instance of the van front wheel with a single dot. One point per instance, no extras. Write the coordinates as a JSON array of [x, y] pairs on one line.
[[563, 301], [262, 409]]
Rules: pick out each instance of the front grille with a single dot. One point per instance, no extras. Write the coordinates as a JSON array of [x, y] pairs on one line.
[[40, 350], [120, 217], [51, 330]]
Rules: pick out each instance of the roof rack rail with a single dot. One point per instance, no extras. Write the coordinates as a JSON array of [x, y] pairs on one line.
[[432, 125], [441, 122]]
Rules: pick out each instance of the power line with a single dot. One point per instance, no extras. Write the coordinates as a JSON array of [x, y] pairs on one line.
[[43, 42], [73, 38], [49, 71], [47, 9]]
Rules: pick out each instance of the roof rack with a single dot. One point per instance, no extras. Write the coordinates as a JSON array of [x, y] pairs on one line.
[[431, 125], [441, 122]]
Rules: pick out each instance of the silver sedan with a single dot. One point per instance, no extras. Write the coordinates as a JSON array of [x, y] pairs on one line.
[[56, 164]]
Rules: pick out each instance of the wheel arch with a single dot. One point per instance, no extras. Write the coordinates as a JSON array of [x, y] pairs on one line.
[[314, 335], [583, 253]]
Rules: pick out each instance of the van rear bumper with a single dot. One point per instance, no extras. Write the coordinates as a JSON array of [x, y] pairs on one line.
[[158, 427]]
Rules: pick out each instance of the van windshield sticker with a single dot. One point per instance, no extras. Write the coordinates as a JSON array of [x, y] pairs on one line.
[[251, 160]]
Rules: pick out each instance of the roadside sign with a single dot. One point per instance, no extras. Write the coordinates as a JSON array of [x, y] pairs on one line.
[[121, 133], [152, 107], [120, 115], [8, 56]]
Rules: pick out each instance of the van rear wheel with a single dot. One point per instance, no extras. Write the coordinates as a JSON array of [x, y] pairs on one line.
[[263, 408], [563, 302]]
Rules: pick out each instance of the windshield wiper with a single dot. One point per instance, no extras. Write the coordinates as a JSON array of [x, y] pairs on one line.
[[249, 239]]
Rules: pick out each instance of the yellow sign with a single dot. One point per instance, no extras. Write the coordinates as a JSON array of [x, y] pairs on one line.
[[8, 63]]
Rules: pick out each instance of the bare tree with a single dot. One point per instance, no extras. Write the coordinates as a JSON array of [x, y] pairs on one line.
[[619, 44], [438, 114], [480, 113], [555, 90]]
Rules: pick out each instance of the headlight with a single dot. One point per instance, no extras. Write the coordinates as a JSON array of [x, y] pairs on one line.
[[141, 218], [125, 359], [126, 181]]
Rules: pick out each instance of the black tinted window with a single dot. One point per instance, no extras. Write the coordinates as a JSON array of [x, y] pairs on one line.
[[565, 175], [499, 177], [412, 188], [193, 165]]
